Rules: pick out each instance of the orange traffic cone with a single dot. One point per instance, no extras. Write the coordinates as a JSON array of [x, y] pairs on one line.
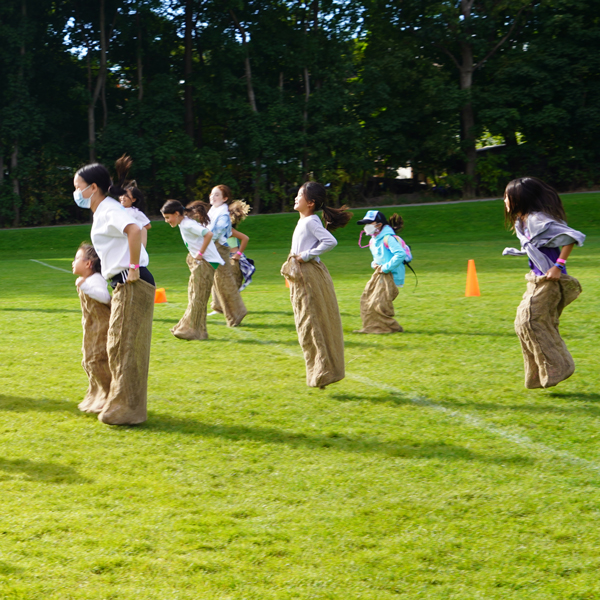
[[160, 296], [472, 283]]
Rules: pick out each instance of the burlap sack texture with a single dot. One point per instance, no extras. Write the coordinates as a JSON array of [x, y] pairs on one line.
[[547, 360], [128, 346], [377, 305], [318, 321], [192, 326], [225, 291], [239, 279], [237, 273], [95, 318]]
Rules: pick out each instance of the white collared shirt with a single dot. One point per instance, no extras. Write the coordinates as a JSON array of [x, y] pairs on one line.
[[110, 240], [193, 236]]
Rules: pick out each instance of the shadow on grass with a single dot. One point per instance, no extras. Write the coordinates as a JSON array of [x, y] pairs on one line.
[[399, 400], [19, 404], [39, 471], [290, 326], [42, 310], [335, 441], [6, 569], [587, 397], [466, 332]]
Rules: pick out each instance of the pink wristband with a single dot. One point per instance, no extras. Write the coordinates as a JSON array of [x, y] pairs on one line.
[[239, 253], [562, 261], [132, 266], [199, 255]]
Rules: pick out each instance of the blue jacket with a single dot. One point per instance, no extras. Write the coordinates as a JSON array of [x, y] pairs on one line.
[[391, 259]]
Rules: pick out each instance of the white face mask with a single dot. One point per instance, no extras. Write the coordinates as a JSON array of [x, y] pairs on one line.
[[370, 229]]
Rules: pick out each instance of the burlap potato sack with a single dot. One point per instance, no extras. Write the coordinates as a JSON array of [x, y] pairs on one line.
[[95, 317], [237, 273], [318, 321], [225, 291], [192, 326], [129, 335], [377, 305], [547, 360]]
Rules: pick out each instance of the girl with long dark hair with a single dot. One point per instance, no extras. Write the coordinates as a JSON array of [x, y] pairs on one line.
[[534, 211], [312, 294]]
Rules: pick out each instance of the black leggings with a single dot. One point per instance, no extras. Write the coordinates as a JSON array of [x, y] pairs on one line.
[[145, 275]]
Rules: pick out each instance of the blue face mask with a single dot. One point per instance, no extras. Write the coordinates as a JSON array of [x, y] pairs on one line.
[[80, 200]]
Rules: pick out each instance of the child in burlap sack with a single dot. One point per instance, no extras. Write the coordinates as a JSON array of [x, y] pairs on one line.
[[242, 267], [95, 314], [534, 211], [225, 291], [316, 311], [117, 239], [134, 203], [389, 254], [202, 259]]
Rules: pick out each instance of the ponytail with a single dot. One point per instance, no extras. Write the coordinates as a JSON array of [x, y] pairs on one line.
[[396, 222], [198, 211], [122, 166], [238, 211], [334, 218]]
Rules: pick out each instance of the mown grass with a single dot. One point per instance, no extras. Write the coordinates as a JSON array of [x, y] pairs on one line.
[[429, 472]]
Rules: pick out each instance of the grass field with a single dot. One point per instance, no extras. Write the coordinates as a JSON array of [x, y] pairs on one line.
[[428, 473]]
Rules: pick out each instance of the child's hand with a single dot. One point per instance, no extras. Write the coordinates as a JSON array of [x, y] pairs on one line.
[[236, 256], [133, 275], [299, 258], [553, 273], [378, 269], [79, 281]]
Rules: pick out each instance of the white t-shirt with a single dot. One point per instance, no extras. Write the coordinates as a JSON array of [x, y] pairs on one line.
[[109, 239], [138, 215], [311, 239], [193, 236], [220, 223], [95, 287]]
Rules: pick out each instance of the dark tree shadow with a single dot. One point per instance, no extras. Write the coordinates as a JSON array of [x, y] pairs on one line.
[[335, 441], [39, 471]]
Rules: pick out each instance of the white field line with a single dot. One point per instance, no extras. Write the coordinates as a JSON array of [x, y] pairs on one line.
[[51, 266], [466, 418]]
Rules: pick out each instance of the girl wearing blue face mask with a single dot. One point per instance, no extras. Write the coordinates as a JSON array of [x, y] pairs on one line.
[[389, 256], [117, 239]]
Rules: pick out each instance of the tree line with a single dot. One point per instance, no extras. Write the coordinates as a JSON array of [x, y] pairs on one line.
[[264, 94]]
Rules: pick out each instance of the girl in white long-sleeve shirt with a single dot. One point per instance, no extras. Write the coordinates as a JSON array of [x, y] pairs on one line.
[[312, 294]]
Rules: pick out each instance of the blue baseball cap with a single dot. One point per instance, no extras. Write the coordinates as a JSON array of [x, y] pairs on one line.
[[372, 216]]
